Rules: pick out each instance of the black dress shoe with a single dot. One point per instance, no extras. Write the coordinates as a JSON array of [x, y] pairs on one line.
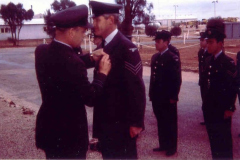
[[159, 149], [239, 135], [170, 152], [202, 123]]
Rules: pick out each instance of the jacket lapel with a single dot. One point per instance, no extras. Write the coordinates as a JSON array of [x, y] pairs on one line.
[[111, 45]]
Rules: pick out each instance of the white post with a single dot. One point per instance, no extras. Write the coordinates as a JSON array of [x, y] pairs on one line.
[[44, 41], [187, 33], [184, 36], [90, 44]]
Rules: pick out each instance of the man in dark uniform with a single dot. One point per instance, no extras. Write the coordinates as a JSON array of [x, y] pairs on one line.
[[171, 48], [165, 82], [219, 100], [95, 143], [61, 126], [202, 55], [238, 78], [120, 110]]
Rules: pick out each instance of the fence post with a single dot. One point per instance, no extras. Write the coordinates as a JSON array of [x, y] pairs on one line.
[[184, 37], [90, 44]]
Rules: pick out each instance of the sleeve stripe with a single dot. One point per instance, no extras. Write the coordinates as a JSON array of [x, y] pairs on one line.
[[133, 69], [232, 74], [97, 82]]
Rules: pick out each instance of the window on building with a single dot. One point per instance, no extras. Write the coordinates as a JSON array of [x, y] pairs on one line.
[[7, 30], [45, 29], [2, 30]]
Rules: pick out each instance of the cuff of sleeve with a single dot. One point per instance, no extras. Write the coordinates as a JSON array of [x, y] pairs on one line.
[[174, 98], [140, 125]]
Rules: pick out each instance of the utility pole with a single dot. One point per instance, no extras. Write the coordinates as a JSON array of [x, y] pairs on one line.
[[175, 10], [214, 2]]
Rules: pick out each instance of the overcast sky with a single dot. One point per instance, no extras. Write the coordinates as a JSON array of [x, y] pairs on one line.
[[162, 8]]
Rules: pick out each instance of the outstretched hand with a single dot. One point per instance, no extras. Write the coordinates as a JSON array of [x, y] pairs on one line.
[[105, 64], [97, 54]]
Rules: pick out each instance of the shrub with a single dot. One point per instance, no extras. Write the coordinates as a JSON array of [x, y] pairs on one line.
[[176, 31], [150, 30]]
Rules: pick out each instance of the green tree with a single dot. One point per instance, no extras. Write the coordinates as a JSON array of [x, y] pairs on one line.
[[14, 16], [56, 7], [151, 29], [135, 11], [176, 31]]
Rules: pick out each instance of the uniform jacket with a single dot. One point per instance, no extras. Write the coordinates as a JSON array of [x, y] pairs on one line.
[[174, 50], [123, 101], [220, 83], [165, 80], [202, 55], [62, 77]]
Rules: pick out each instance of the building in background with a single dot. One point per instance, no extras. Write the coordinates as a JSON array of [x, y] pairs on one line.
[[33, 29]]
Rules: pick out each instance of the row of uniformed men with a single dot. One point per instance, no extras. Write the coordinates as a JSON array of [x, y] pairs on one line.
[[219, 83]]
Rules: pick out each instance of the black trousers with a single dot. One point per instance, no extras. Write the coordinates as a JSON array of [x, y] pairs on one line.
[[116, 142], [203, 93], [166, 115], [220, 138], [65, 154], [218, 128]]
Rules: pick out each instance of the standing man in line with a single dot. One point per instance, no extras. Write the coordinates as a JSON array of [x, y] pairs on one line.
[[238, 78], [61, 126], [172, 48], [165, 82], [202, 55], [94, 142], [120, 110], [220, 97]]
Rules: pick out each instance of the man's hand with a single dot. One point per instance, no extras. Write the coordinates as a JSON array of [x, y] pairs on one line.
[[134, 131], [228, 114], [105, 65], [97, 55]]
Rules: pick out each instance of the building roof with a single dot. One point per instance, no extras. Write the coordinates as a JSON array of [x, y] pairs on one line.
[[178, 17], [33, 21]]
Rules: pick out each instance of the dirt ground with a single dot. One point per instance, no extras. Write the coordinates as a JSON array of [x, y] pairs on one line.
[[17, 128]]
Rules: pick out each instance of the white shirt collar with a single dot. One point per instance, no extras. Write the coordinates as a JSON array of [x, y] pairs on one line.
[[164, 51], [62, 43], [218, 54], [110, 36]]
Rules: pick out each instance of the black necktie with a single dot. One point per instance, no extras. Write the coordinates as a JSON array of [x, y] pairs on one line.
[[103, 43]]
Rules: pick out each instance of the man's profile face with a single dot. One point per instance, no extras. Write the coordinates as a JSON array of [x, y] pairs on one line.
[[213, 46], [203, 43], [79, 33], [160, 45], [100, 25]]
